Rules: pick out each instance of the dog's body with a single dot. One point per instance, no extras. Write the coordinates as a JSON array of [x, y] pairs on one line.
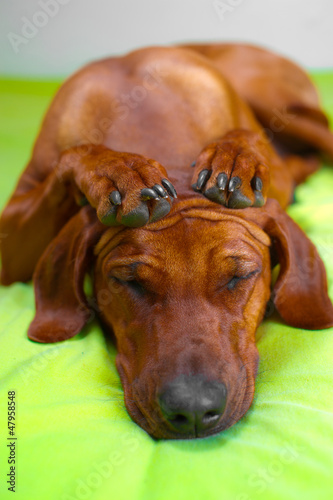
[[183, 288]]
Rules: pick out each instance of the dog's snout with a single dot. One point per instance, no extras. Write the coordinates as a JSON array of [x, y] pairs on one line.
[[193, 404]]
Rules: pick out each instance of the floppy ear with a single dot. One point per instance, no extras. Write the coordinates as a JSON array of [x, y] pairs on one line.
[[300, 292], [61, 306]]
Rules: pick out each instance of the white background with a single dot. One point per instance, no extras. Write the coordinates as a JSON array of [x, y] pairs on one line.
[[79, 31]]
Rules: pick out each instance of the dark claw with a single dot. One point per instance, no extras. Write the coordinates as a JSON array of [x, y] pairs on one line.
[[115, 198], [203, 178], [149, 194], [234, 183], [169, 187], [259, 201], [193, 163], [256, 184], [161, 209], [222, 181], [238, 200], [162, 192]]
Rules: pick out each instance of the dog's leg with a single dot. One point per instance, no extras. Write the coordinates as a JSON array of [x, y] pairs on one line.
[[124, 189], [285, 102], [281, 95]]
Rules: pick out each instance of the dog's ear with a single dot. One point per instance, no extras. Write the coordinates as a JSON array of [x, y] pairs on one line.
[[300, 292], [61, 305]]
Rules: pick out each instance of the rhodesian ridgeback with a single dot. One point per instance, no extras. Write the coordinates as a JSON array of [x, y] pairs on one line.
[[164, 175]]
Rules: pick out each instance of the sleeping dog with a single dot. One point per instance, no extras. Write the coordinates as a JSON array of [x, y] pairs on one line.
[[165, 175]]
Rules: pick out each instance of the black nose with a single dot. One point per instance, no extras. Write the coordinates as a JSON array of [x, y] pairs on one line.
[[193, 404]]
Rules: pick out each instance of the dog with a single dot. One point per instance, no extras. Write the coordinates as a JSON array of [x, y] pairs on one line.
[[165, 174]]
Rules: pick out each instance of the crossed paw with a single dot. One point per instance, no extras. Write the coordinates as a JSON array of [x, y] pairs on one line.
[[233, 171], [132, 190], [124, 188]]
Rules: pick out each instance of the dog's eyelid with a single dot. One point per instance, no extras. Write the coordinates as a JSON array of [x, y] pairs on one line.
[[133, 284], [124, 272], [244, 267], [122, 279], [251, 273], [128, 276], [121, 274], [237, 278], [246, 275]]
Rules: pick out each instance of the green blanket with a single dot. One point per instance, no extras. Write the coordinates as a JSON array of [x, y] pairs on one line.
[[75, 439]]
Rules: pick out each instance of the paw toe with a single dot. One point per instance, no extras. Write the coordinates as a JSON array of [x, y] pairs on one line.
[[137, 217], [161, 209], [110, 218], [215, 194], [259, 199], [238, 200]]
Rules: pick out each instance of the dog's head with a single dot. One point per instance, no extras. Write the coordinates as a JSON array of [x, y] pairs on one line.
[[184, 297]]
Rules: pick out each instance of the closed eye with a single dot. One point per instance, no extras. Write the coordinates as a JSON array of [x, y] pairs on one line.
[[136, 287], [132, 285], [236, 279]]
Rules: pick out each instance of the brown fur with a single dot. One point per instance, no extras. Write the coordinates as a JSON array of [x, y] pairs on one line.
[[163, 269]]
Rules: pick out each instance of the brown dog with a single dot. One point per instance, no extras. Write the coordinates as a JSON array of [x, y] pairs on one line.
[[183, 283]]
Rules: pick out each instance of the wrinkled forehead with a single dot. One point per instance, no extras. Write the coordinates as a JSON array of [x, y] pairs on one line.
[[190, 234]]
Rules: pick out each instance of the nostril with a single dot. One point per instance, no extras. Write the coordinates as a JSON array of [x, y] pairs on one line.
[[178, 420], [210, 418], [211, 414]]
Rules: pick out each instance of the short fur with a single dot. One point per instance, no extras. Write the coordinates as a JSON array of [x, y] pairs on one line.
[[182, 283]]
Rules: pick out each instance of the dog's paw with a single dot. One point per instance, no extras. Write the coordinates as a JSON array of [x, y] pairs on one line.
[[124, 188], [233, 171]]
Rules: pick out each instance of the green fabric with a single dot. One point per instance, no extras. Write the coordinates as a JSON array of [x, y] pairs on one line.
[[75, 439]]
